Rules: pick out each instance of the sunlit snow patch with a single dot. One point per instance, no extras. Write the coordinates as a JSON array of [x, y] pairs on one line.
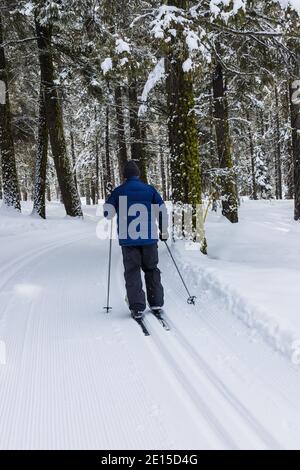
[[27, 290]]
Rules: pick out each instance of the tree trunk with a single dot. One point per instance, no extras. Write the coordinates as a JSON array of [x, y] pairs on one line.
[[107, 177], [39, 204], [163, 175], [227, 180], [122, 150], [93, 191], [183, 135], [137, 147], [252, 158], [87, 182], [278, 168], [97, 170], [101, 176], [55, 123], [10, 185], [73, 158], [182, 126], [295, 123], [48, 193], [97, 189], [289, 165]]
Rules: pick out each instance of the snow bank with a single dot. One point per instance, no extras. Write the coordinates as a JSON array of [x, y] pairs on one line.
[[254, 266], [13, 223]]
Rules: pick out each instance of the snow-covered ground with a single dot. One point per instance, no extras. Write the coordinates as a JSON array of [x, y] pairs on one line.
[[255, 267], [72, 376]]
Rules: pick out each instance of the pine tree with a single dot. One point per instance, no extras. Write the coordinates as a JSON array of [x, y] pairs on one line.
[[54, 119], [39, 199], [228, 184], [11, 191], [295, 124]]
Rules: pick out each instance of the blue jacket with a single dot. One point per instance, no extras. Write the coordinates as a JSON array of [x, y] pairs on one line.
[[137, 225]]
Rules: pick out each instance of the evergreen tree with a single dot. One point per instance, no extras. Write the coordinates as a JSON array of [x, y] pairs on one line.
[[39, 200], [43, 27], [11, 191]]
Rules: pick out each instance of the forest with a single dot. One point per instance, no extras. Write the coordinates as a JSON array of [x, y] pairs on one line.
[[204, 95]]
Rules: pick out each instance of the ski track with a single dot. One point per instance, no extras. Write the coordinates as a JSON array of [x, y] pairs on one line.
[[64, 386], [77, 377], [198, 403], [243, 354], [223, 390]]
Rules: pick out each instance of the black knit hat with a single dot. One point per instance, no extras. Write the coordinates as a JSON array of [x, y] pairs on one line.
[[131, 169]]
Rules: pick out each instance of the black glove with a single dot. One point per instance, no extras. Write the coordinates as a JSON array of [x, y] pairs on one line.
[[163, 236]]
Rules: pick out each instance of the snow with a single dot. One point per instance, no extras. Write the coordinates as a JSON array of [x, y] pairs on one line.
[[187, 65], [106, 65], [74, 377], [167, 15], [293, 3], [154, 77], [94, 82], [123, 61], [122, 46], [192, 41], [27, 9], [216, 6], [254, 267]]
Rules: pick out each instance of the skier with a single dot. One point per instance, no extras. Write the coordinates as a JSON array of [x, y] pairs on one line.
[[138, 207]]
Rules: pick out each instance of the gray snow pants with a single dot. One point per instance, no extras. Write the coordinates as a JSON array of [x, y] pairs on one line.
[[143, 257]]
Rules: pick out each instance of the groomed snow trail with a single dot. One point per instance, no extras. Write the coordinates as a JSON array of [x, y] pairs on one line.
[[76, 377]]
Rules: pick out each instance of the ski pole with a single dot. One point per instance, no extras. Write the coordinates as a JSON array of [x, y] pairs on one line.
[[191, 298], [108, 308]]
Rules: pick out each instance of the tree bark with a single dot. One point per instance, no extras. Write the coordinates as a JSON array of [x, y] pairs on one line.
[[87, 191], [183, 135], [228, 186], [122, 150], [48, 191], [252, 158], [62, 163], [10, 184], [278, 168], [138, 151], [93, 191], [295, 123], [182, 125], [39, 203], [97, 170], [107, 176], [163, 175], [73, 158]]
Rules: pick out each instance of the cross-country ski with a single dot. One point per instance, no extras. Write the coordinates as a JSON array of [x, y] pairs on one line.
[[141, 323], [158, 313]]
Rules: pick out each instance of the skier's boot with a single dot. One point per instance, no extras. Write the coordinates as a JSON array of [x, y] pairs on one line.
[[136, 315], [157, 310]]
